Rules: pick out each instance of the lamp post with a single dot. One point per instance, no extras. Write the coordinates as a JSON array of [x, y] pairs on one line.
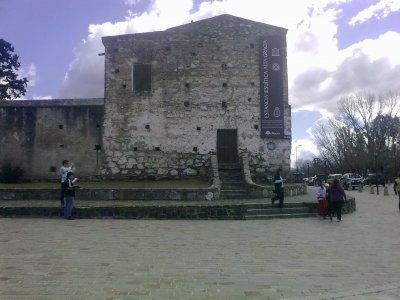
[[296, 157], [395, 169], [308, 170], [376, 172]]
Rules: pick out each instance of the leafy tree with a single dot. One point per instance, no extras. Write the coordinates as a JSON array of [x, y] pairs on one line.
[[11, 86]]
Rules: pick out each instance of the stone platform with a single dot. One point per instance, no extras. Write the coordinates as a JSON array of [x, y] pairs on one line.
[[43, 201]]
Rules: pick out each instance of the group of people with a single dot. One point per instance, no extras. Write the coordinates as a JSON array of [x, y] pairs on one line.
[[67, 188], [330, 198]]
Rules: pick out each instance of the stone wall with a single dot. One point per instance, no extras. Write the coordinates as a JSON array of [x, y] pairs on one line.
[[157, 165], [38, 134], [204, 77]]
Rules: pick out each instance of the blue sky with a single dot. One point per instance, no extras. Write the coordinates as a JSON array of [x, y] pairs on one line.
[[335, 47]]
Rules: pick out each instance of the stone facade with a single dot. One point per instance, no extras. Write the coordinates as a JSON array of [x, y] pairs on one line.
[[204, 76], [168, 96]]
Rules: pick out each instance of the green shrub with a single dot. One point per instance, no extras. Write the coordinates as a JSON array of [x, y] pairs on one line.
[[11, 174]]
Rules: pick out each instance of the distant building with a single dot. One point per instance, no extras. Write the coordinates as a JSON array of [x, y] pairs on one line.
[[172, 100]]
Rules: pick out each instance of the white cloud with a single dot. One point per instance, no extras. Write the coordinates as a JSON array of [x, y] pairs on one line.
[[30, 72], [318, 80], [306, 150], [378, 11], [42, 97], [131, 2]]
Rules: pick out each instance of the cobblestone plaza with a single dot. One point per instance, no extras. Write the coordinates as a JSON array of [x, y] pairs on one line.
[[358, 258]]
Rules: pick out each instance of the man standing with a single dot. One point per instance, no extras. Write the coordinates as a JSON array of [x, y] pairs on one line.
[[65, 168], [278, 182], [396, 187], [69, 192]]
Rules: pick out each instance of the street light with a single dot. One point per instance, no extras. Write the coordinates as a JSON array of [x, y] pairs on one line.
[[296, 156], [376, 172]]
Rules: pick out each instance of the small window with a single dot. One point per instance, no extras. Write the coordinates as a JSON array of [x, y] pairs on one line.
[[142, 77]]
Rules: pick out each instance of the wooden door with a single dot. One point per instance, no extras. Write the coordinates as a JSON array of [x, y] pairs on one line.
[[227, 151]]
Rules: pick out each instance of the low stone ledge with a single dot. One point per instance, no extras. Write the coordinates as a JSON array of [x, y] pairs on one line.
[[112, 194], [222, 212], [349, 206], [161, 212]]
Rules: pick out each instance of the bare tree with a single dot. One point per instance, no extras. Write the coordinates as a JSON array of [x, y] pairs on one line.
[[366, 127]]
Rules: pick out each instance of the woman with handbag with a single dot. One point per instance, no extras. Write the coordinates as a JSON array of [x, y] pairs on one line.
[[337, 196]]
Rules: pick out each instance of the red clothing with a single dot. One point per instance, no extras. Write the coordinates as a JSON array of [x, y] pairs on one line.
[[322, 207]]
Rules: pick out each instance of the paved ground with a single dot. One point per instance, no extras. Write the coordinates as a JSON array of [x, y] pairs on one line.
[[358, 258]]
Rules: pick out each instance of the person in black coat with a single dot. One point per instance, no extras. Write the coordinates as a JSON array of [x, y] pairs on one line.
[[69, 193], [278, 183], [337, 197]]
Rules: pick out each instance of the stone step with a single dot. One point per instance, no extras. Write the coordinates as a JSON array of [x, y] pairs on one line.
[[235, 192], [233, 197], [229, 167], [233, 186], [231, 177], [226, 172], [218, 211], [272, 211], [232, 180], [238, 192], [279, 216]]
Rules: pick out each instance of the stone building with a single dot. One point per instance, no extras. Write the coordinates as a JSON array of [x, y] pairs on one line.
[[173, 99]]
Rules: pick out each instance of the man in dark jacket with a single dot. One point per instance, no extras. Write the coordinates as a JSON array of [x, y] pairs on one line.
[[278, 183], [337, 197], [69, 193]]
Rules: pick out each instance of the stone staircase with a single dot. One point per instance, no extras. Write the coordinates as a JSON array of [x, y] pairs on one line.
[[234, 188], [232, 184]]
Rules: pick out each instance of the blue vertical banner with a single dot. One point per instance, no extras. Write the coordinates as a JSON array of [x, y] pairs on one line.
[[271, 87]]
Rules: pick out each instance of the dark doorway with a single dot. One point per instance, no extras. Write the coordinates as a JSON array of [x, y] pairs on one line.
[[227, 151]]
